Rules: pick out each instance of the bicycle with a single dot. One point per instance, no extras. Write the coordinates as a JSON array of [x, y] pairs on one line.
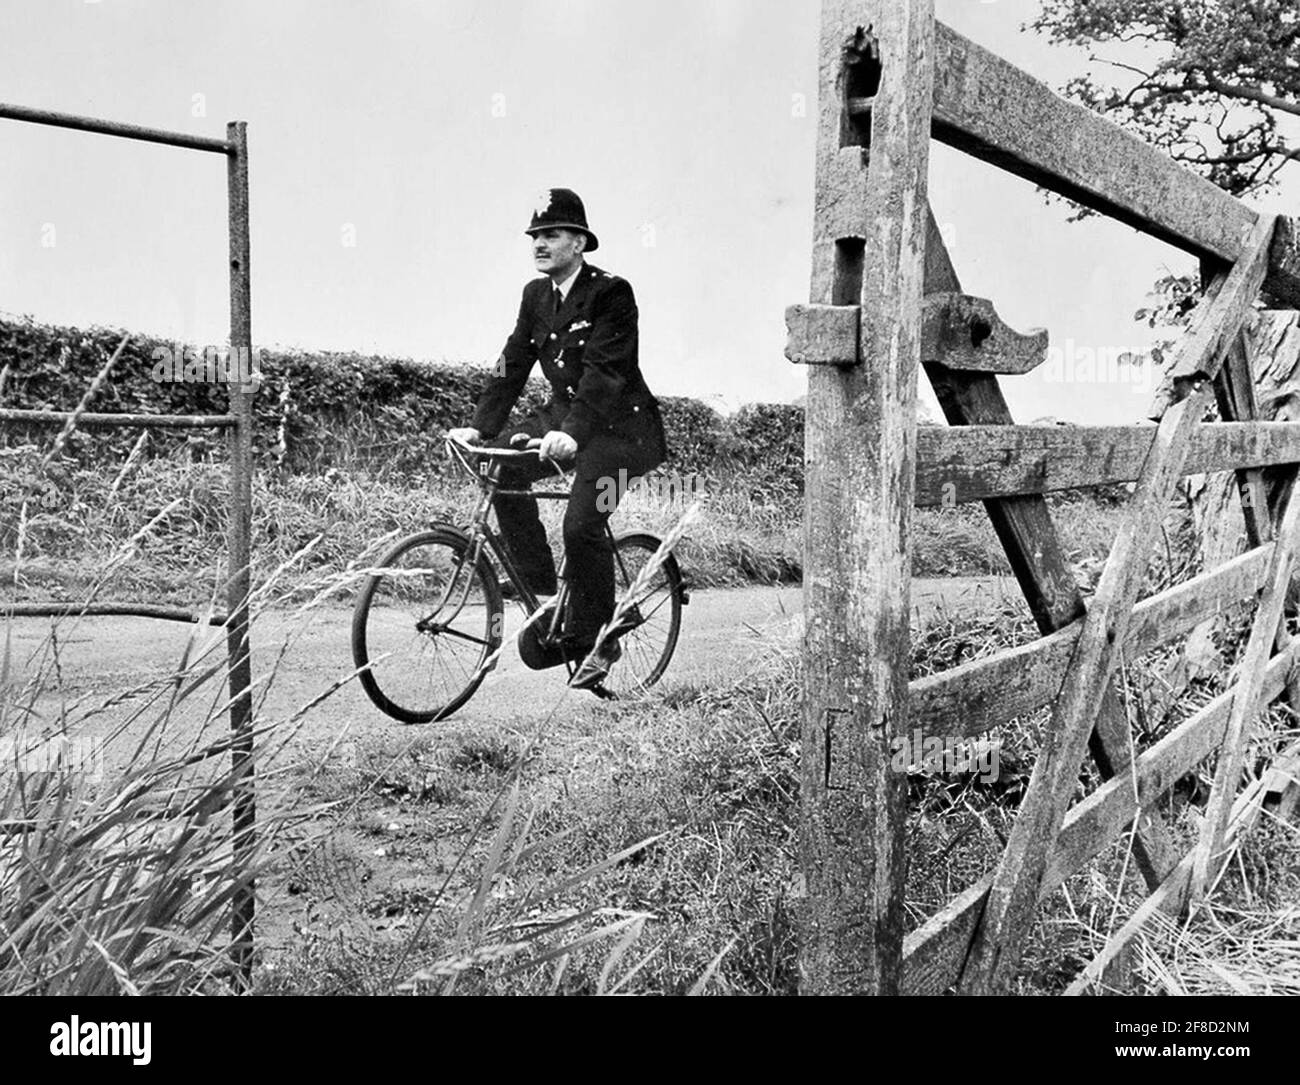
[[428, 625]]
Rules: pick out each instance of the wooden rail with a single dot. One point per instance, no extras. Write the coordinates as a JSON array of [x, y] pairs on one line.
[[998, 113], [970, 700], [975, 463]]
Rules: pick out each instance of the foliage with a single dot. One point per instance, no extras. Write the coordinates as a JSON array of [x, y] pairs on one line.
[[1214, 80], [315, 411], [391, 409]]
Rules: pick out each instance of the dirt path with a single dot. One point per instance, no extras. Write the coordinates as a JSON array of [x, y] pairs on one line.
[[722, 631]]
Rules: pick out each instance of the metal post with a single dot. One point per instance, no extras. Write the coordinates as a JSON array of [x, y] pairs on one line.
[[240, 528], [111, 128], [120, 421]]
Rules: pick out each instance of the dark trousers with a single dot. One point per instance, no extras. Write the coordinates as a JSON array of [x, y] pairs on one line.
[[589, 567]]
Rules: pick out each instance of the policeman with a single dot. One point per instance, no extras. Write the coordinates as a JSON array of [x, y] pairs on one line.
[[581, 324]]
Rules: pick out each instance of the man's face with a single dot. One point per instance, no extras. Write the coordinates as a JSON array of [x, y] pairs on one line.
[[557, 252]]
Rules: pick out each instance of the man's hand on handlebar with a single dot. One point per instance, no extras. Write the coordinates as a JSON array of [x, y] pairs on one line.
[[558, 447], [466, 436]]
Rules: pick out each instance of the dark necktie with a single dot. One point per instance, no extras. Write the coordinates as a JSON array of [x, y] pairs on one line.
[[557, 300]]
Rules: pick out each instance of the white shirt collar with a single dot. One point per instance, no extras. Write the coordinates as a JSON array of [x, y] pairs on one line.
[[567, 285]]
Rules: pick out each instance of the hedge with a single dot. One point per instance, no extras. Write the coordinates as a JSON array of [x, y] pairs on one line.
[[319, 410]]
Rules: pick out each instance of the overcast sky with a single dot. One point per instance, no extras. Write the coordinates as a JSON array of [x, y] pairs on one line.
[[397, 147]]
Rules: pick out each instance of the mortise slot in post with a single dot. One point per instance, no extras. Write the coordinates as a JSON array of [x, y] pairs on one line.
[[834, 774], [830, 731], [850, 260], [861, 84]]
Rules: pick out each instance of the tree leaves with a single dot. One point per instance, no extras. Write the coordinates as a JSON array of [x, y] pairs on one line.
[[1204, 80]]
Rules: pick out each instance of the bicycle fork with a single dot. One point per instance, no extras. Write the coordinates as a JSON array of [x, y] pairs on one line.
[[468, 564]]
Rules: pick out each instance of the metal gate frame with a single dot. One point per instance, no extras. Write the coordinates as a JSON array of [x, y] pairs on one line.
[[238, 424]]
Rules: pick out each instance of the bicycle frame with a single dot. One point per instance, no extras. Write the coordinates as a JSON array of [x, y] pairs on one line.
[[487, 474]]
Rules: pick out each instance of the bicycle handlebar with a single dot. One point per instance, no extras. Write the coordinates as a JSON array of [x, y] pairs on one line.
[[478, 453], [485, 453]]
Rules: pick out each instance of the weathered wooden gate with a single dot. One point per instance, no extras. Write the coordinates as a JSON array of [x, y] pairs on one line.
[[886, 303]]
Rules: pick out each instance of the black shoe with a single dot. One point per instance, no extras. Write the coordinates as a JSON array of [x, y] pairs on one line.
[[596, 667]]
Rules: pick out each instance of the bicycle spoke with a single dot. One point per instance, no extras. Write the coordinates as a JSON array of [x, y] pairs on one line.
[[649, 643], [667, 599], [428, 659]]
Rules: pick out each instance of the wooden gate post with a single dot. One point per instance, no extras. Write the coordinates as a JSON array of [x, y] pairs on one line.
[[876, 94]]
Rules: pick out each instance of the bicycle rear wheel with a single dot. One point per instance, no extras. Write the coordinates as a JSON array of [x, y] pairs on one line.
[[424, 626], [653, 616]]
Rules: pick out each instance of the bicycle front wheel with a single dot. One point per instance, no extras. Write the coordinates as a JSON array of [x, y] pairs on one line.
[[425, 625], [650, 596]]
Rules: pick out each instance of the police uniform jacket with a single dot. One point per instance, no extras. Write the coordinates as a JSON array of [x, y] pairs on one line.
[[588, 353]]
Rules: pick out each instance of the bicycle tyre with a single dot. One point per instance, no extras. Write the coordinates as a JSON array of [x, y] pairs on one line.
[[420, 675]]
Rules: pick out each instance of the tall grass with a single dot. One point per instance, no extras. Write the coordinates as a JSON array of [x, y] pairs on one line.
[[118, 868], [117, 865], [750, 533]]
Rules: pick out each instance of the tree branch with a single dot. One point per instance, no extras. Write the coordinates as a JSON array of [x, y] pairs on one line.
[[1285, 156], [1146, 76], [1251, 94]]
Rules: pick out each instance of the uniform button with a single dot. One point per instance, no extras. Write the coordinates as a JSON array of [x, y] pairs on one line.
[[560, 364], [582, 342], [554, 336], [636, 410]]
